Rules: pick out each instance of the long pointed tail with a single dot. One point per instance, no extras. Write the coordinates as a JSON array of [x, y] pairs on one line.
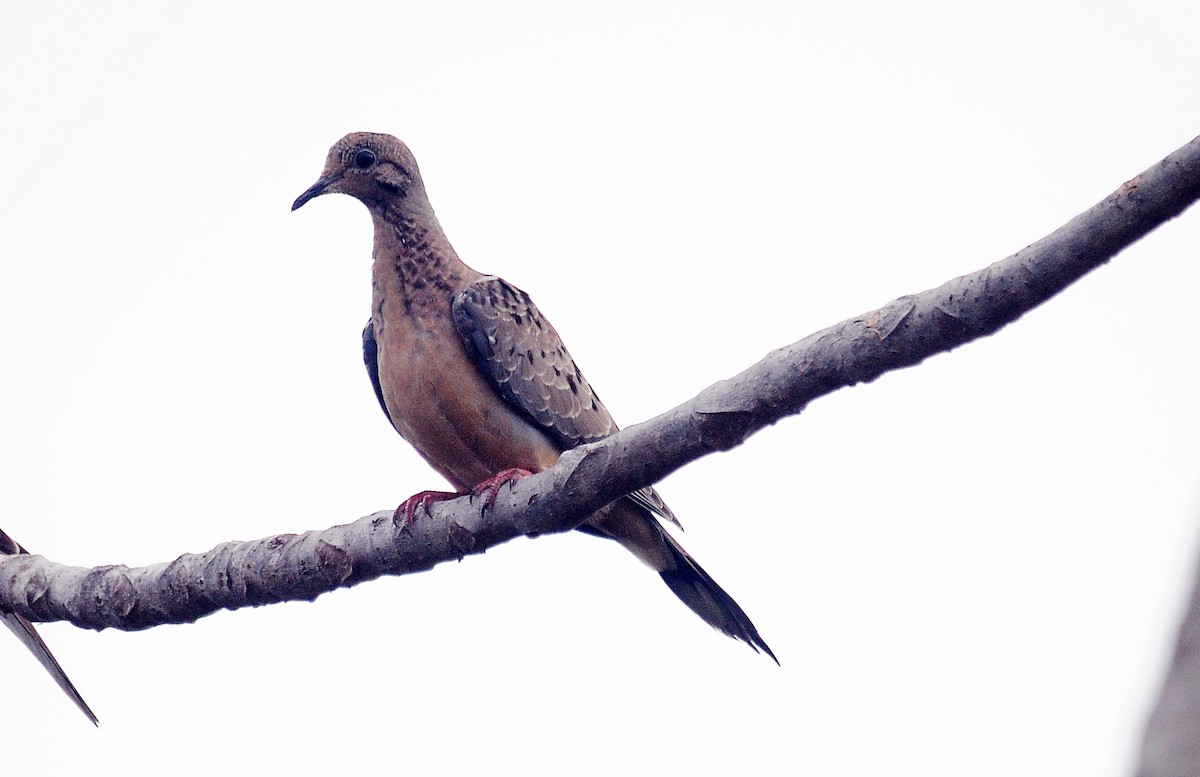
[[631, 523], [32, 640], [700, 592]]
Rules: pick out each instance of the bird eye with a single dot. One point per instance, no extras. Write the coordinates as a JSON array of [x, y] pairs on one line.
[[364, 158]]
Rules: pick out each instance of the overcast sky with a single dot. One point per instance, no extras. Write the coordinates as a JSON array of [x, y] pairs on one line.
[[975, 566]]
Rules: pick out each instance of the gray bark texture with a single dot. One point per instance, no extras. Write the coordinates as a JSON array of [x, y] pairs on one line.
[[902, 333]]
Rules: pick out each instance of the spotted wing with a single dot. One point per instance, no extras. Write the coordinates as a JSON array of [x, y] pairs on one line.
[[517, 349], [521, 354]]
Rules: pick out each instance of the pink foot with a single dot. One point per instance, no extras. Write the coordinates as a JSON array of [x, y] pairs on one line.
[[406, 512], [491, 486]]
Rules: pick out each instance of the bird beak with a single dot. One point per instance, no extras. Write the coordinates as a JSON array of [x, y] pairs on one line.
[[316, 190]]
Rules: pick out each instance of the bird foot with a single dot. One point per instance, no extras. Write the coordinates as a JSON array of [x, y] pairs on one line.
[[406, 512], [491, 486]]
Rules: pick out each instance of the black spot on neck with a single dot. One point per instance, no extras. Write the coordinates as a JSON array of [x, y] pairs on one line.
[[426, 268]]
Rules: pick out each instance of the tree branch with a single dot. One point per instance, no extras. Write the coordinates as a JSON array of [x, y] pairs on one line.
[[900, 334]]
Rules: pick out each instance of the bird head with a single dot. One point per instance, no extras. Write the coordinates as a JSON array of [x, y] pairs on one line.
[[373, 167]]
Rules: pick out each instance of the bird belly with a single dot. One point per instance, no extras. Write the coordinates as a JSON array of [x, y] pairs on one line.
[[452, 415]]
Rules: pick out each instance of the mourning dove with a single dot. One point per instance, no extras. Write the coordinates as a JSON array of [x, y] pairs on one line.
[[472, 375], [32, 640]]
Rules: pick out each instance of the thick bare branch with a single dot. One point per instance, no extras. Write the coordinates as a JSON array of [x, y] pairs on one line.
[[900, 334]]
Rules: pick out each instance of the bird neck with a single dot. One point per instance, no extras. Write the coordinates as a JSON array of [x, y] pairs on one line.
[[415, 264]]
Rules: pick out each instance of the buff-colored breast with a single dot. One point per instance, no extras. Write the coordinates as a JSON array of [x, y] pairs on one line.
[[444, 408]]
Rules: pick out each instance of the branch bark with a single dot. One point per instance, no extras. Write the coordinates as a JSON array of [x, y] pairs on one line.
[[902, 333]]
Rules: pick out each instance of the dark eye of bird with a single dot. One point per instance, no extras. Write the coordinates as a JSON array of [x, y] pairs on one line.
[[364, 158]]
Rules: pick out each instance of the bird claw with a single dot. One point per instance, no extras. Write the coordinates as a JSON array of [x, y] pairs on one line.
[[406, 512], [491, 486]]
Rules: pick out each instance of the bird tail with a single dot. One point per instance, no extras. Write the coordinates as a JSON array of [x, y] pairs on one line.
[[630, 522], [25, 632], [32, 640], [700, 592]]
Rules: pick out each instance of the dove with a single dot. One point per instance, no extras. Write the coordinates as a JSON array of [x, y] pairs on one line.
[[473, 376]]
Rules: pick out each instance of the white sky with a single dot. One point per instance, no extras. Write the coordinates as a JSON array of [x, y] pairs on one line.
[[972, 567]]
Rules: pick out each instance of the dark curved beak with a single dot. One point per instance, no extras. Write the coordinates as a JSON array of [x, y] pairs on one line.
[[316, 190]]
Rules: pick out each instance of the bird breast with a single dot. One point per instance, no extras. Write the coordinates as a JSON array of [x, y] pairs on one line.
[[445, 409]]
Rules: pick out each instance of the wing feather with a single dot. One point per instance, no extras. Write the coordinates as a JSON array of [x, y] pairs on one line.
[[518, 350], [371, 360]]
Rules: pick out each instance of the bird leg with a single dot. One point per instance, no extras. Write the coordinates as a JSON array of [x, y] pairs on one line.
[[491, 486], [406, 512]]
